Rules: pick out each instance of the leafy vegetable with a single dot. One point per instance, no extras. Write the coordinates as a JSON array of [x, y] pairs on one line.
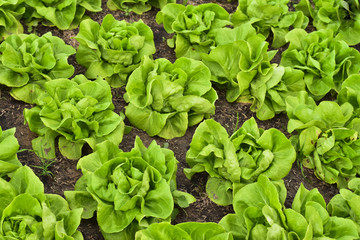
[[129, 190], [10, 14], [137, 6], [343, 17], [165, 99], [267, 93], [258, 211], [184, 231], [27, 213], [113, 50], [327, 142], [79, 111], [346, 204], [268, 16], [195, 27], [8, 151], [233, 162], [62, 14], [349, 93], [260, 214], [26, 61], [325, 61], [239, 56]]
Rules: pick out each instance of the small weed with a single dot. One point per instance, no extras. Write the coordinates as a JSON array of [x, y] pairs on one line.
[[44, 164], [237, 122]]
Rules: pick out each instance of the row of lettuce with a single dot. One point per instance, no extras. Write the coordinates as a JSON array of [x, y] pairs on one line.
[[266, 16], [133, 193]]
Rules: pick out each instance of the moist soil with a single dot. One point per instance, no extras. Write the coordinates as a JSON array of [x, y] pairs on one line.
[[62, 174]]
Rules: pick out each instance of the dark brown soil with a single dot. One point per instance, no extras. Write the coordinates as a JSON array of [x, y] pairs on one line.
[[65, 173]]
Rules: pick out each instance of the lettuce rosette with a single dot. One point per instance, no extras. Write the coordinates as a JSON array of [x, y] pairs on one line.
[[267, 93], [184, 231], [260, 214], [325, 60], [113, 50], [165, 99], [26, 61], [343, 17], [10, 15], [136, 6], [240, 57], [346, 204], [27, 213], [195, 27], [61, 14], [328, 137], [8, 151], [78, 111], [269, 16], [128, 190], [232, 162]]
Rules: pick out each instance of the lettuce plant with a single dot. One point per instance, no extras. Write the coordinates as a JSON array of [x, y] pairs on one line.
[[268, 16], [268, 93], [8, 151], [10, 14], [346, 203], [137, 6], [260, 214], [235, 161], [113, 50], [349, 93], [184, 231], [28, 60], [27, 213], [128, 190], [325, 61], [343, 17], [165, 99], [239, 56], [61, 14], [195, 27], [327, 139], [79, 111]]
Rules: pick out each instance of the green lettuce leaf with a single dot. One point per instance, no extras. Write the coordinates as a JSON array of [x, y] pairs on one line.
[[184, 231], [27, 213], [343, 17], [327, 140], [195, 27], [79, 111], [268, 92], [27, 61], [62, 14], [268, 16], [137, 6], [235, 161], [8, 153], [260, 214], [10, 15], [325, 61], [128, 190], [237, 59], [165, 99], [346, 203], [113, 50]]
